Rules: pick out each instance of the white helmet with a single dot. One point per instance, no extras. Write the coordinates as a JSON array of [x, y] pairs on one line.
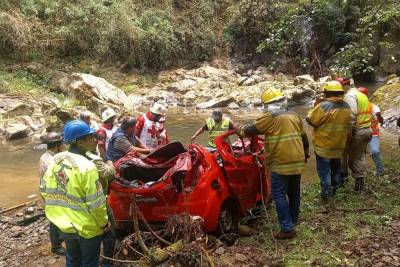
[[107, 114], [159, 108]]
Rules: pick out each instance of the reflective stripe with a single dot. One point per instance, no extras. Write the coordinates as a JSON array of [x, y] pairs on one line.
[[62, 203], [55, 191], [97, 204], [334, 127], [89, 198], [288, 166], [93, 197], [284, 137]]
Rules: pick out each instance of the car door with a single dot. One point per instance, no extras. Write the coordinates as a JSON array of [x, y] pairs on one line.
[[240, 169]]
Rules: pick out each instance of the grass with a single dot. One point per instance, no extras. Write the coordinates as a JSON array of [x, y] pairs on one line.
[[20, 82], [323, 237]]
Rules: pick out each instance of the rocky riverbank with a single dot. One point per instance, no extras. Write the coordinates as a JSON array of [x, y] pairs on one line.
[[68, 92]]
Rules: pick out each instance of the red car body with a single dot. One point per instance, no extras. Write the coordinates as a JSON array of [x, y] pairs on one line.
[[219, 187]]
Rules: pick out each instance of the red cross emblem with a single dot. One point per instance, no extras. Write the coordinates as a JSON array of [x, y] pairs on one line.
[[152, 131]]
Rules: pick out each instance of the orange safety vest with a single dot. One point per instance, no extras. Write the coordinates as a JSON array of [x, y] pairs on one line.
[[374, 121]]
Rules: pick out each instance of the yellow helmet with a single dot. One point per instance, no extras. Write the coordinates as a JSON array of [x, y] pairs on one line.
[[271, 95], [333, 86]]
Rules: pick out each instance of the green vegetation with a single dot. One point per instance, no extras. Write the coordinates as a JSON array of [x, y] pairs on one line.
[[325, 236], [20, 82], [342, 36]]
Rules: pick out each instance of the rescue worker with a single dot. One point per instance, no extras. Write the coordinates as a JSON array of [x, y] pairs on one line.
[[359, 136], [54, 143], [216, 125], [286, 146], [74, 199], [86, 117], [150, 127], [374, 144], [124, 141], [107, 129], [106, 175], [330, 120]]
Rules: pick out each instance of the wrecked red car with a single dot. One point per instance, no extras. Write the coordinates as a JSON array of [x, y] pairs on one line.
[[218, 186]]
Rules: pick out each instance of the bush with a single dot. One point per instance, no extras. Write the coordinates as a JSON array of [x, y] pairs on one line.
[[15, 33]]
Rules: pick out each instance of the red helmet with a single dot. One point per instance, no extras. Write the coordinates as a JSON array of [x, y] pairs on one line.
[[363, 90], [343, 80]]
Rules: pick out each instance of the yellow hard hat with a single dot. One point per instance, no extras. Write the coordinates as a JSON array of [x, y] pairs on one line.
[[333, 86], [271, 95]]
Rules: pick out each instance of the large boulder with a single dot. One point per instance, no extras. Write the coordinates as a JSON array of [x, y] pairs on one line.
[[214, 74], [182, 86], [15, 106], [16, 131], [388, 96], [303, 79], [59, 82], [300, 95], [390, 117], [96, 93], [215, 103]]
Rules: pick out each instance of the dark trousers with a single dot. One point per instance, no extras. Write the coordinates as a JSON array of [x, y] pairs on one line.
[[329, 175], [109, 239], [82, 252], [55, 237], [286, 195]]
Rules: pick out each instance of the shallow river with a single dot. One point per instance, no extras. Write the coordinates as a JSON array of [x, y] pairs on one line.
[[18, 162]]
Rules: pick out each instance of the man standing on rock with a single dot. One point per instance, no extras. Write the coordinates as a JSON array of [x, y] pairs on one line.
[[74, 198], [374, 145], [124, 141], [359, 136], [286, 146], [150, 127], [55, 145], [216, 125], [105, 132], [330, 120]]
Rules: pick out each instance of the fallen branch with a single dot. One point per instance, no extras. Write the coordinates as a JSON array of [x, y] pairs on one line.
[[116, 260], [136, 227], [17, 206]]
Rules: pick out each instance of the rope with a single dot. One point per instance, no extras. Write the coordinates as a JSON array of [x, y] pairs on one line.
[[264, 206]]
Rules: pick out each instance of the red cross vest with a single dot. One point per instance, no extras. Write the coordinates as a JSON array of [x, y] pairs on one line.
[[109, 134], [153, 133]]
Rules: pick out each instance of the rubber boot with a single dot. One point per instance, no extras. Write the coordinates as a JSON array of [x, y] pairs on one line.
[[359, 184]]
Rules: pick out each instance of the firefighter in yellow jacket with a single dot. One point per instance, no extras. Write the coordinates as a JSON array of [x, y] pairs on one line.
[[286, 147], [330, 120], [74, 198]]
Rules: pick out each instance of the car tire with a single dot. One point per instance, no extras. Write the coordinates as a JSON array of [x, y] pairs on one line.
[[228, 222]]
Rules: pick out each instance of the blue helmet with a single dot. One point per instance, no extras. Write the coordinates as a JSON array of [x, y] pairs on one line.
[[76, 129]]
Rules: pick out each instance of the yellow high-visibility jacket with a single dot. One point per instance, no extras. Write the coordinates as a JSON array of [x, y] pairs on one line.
[[331, 121], [215, 129], [73, 195], [283, 142], [359, 105]]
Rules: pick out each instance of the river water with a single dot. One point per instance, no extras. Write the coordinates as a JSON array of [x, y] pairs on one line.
[[19, 161]]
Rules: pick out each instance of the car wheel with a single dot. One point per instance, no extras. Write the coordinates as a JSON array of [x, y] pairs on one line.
[[228, 222]]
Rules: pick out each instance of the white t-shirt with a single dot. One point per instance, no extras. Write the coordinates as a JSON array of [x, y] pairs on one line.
[[375, 110]]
